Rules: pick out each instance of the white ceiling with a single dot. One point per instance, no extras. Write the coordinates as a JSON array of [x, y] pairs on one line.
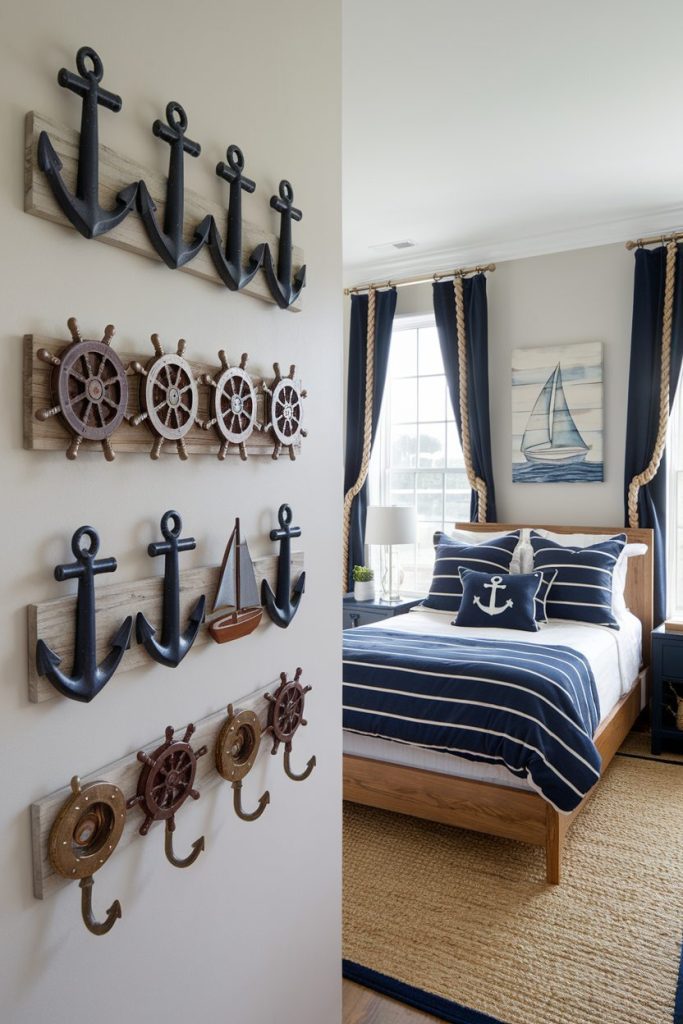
[[502, 128]]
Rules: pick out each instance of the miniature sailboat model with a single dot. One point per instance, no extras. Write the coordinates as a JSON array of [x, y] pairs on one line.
[[237, 601], [551, 435]]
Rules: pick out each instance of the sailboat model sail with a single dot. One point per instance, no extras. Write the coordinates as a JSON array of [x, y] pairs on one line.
[[237, 601], [551, 435]]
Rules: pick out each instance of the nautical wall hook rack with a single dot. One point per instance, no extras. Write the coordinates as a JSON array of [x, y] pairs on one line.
[[283, 607], [50, 162]]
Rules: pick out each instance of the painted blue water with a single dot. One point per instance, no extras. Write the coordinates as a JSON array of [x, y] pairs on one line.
[[580, 473]]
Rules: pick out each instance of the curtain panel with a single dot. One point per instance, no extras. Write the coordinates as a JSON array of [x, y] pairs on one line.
[[644, 398], [476, 330], [355, 406]]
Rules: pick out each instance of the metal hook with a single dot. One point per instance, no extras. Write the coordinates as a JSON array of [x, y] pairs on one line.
[[113, 914], [237, 801], [307, 771], [197, 848]]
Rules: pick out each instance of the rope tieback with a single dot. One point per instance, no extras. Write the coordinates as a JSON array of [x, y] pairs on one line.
[[367, 437], [650, 470], [475, 482]]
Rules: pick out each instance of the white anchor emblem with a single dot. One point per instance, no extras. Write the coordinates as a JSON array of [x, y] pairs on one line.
[[492, 608]]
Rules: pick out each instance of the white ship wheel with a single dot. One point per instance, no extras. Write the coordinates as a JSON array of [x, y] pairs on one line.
[[233, 405], [285, 411], [169, 398]]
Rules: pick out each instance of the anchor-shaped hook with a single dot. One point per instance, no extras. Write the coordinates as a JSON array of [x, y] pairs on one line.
[[283, 607], [169, 242], [280, 284], [113, 913], [174, 645], [87, 678], [229, 264], [180, 862], [83, 209], [264, 800]]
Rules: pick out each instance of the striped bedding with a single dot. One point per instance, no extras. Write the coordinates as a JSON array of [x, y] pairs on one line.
[[533, 708]]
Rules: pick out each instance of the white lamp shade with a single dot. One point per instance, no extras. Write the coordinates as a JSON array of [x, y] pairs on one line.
[[390, 524]]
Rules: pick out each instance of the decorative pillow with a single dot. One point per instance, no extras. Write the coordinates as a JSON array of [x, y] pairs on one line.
[[547, 579], [582, 588], [522, 556], [508, 602], [446, 589]]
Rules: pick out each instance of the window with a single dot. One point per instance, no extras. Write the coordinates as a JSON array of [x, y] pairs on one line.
[[417, 459]]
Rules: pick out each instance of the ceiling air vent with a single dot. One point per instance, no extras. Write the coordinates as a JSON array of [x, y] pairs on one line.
[[405, 243]]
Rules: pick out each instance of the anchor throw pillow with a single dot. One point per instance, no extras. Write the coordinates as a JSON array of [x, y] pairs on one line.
[[491, 556], [494, 599], [582, 588]]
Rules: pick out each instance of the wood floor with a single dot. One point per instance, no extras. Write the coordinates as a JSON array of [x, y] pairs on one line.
[[362, 1006]]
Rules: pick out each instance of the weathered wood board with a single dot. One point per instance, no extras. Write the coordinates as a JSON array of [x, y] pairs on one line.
[[52, 435], [116, 172], [124, 774], [55, 621]]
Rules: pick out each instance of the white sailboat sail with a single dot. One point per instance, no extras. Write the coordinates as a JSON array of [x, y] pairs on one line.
[[564, 433], [233, 592], [226, 597], [249, 595], [538, 425]]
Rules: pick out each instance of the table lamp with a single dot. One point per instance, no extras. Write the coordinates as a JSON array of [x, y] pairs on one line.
[[389, 525]]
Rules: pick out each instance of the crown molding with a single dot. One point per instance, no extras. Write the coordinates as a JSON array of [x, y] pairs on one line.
[[587, 236]]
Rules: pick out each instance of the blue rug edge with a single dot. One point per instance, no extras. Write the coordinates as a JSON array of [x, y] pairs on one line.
[[678, 1005]]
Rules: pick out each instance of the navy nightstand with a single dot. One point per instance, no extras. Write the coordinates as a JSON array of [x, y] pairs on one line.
[[667, 674], [363, 613]]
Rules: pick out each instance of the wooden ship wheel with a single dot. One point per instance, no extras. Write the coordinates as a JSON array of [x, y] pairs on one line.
[[88, 388], [285, 715], [84, 835], [164, 784], [284, 411], [233, 405], [236, 749], [169, 399]]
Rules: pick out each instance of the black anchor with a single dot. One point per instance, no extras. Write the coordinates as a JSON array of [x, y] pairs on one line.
[[283, 608], [280, 284], [169, 243], [88, 678], [229, 265], [174, 645], [83, 209]]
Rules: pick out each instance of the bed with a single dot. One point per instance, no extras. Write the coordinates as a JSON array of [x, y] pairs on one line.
[[453, 790]]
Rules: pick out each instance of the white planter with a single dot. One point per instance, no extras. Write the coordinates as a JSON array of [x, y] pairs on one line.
[[364, 591]]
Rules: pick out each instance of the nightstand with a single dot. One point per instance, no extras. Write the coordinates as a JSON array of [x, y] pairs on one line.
[[363, 613], [667, 674]]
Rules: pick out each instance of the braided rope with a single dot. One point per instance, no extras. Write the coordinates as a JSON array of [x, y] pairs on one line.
[[367, 437], [475, 482], [650, 470]]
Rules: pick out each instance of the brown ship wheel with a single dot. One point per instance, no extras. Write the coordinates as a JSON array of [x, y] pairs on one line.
[[169, 399], [233, 405], [89, 389], [285, 411], [165, 781], [285, 715]]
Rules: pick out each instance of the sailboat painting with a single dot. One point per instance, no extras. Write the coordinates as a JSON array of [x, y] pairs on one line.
[[237, 607], [557, 432]]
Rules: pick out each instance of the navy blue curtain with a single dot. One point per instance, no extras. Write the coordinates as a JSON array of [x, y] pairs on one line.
[[643, 399], [355, 405], [476, 325]]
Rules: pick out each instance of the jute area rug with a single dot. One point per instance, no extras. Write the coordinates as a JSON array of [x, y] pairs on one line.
[[464, 925]]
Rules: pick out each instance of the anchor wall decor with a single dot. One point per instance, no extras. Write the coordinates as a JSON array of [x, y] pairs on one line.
[[235, 266], [87, 677], [283, 606]]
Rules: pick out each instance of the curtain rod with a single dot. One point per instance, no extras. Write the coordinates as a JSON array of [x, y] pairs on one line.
[[408, 281], [662, 239]]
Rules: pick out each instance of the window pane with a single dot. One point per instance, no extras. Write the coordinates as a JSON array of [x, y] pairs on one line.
[[402, 489], [432, 399], [429, 351], [403, 354], [403, 446], [432, 445], [404, 400]]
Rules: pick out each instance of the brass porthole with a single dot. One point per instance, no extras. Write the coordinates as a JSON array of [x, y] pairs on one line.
[[87, 829]]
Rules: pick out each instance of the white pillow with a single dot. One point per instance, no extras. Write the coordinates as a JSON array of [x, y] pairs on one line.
[[584, 540], [522, 556]]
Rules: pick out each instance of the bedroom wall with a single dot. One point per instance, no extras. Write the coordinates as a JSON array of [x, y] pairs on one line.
[[251, 932], [584, 295]]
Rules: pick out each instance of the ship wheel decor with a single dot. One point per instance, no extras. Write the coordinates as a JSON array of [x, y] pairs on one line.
[[164, 784], [236, 749], [88, 389], [84, 835], [285, 715], [169, 399], [233, 405], [284, 411]]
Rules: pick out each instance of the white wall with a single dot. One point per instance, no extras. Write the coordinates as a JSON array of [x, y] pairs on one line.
[[251, 932], [585, 295]]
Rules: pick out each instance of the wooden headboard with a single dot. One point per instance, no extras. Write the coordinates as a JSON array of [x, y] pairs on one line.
[[639, 577]]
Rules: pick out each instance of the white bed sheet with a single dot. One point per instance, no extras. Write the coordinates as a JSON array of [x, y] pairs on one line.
[[614, 656]]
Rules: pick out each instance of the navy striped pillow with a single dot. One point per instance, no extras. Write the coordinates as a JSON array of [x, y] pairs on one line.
[[446, 589], [582, 588]]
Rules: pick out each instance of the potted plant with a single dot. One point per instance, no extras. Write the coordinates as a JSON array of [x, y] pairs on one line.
[[363, 583]]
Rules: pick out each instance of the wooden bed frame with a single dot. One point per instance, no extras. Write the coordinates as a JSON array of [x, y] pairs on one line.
[[490, 807]]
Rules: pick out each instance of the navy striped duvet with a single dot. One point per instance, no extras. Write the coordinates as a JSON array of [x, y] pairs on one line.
[[531, 707]]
